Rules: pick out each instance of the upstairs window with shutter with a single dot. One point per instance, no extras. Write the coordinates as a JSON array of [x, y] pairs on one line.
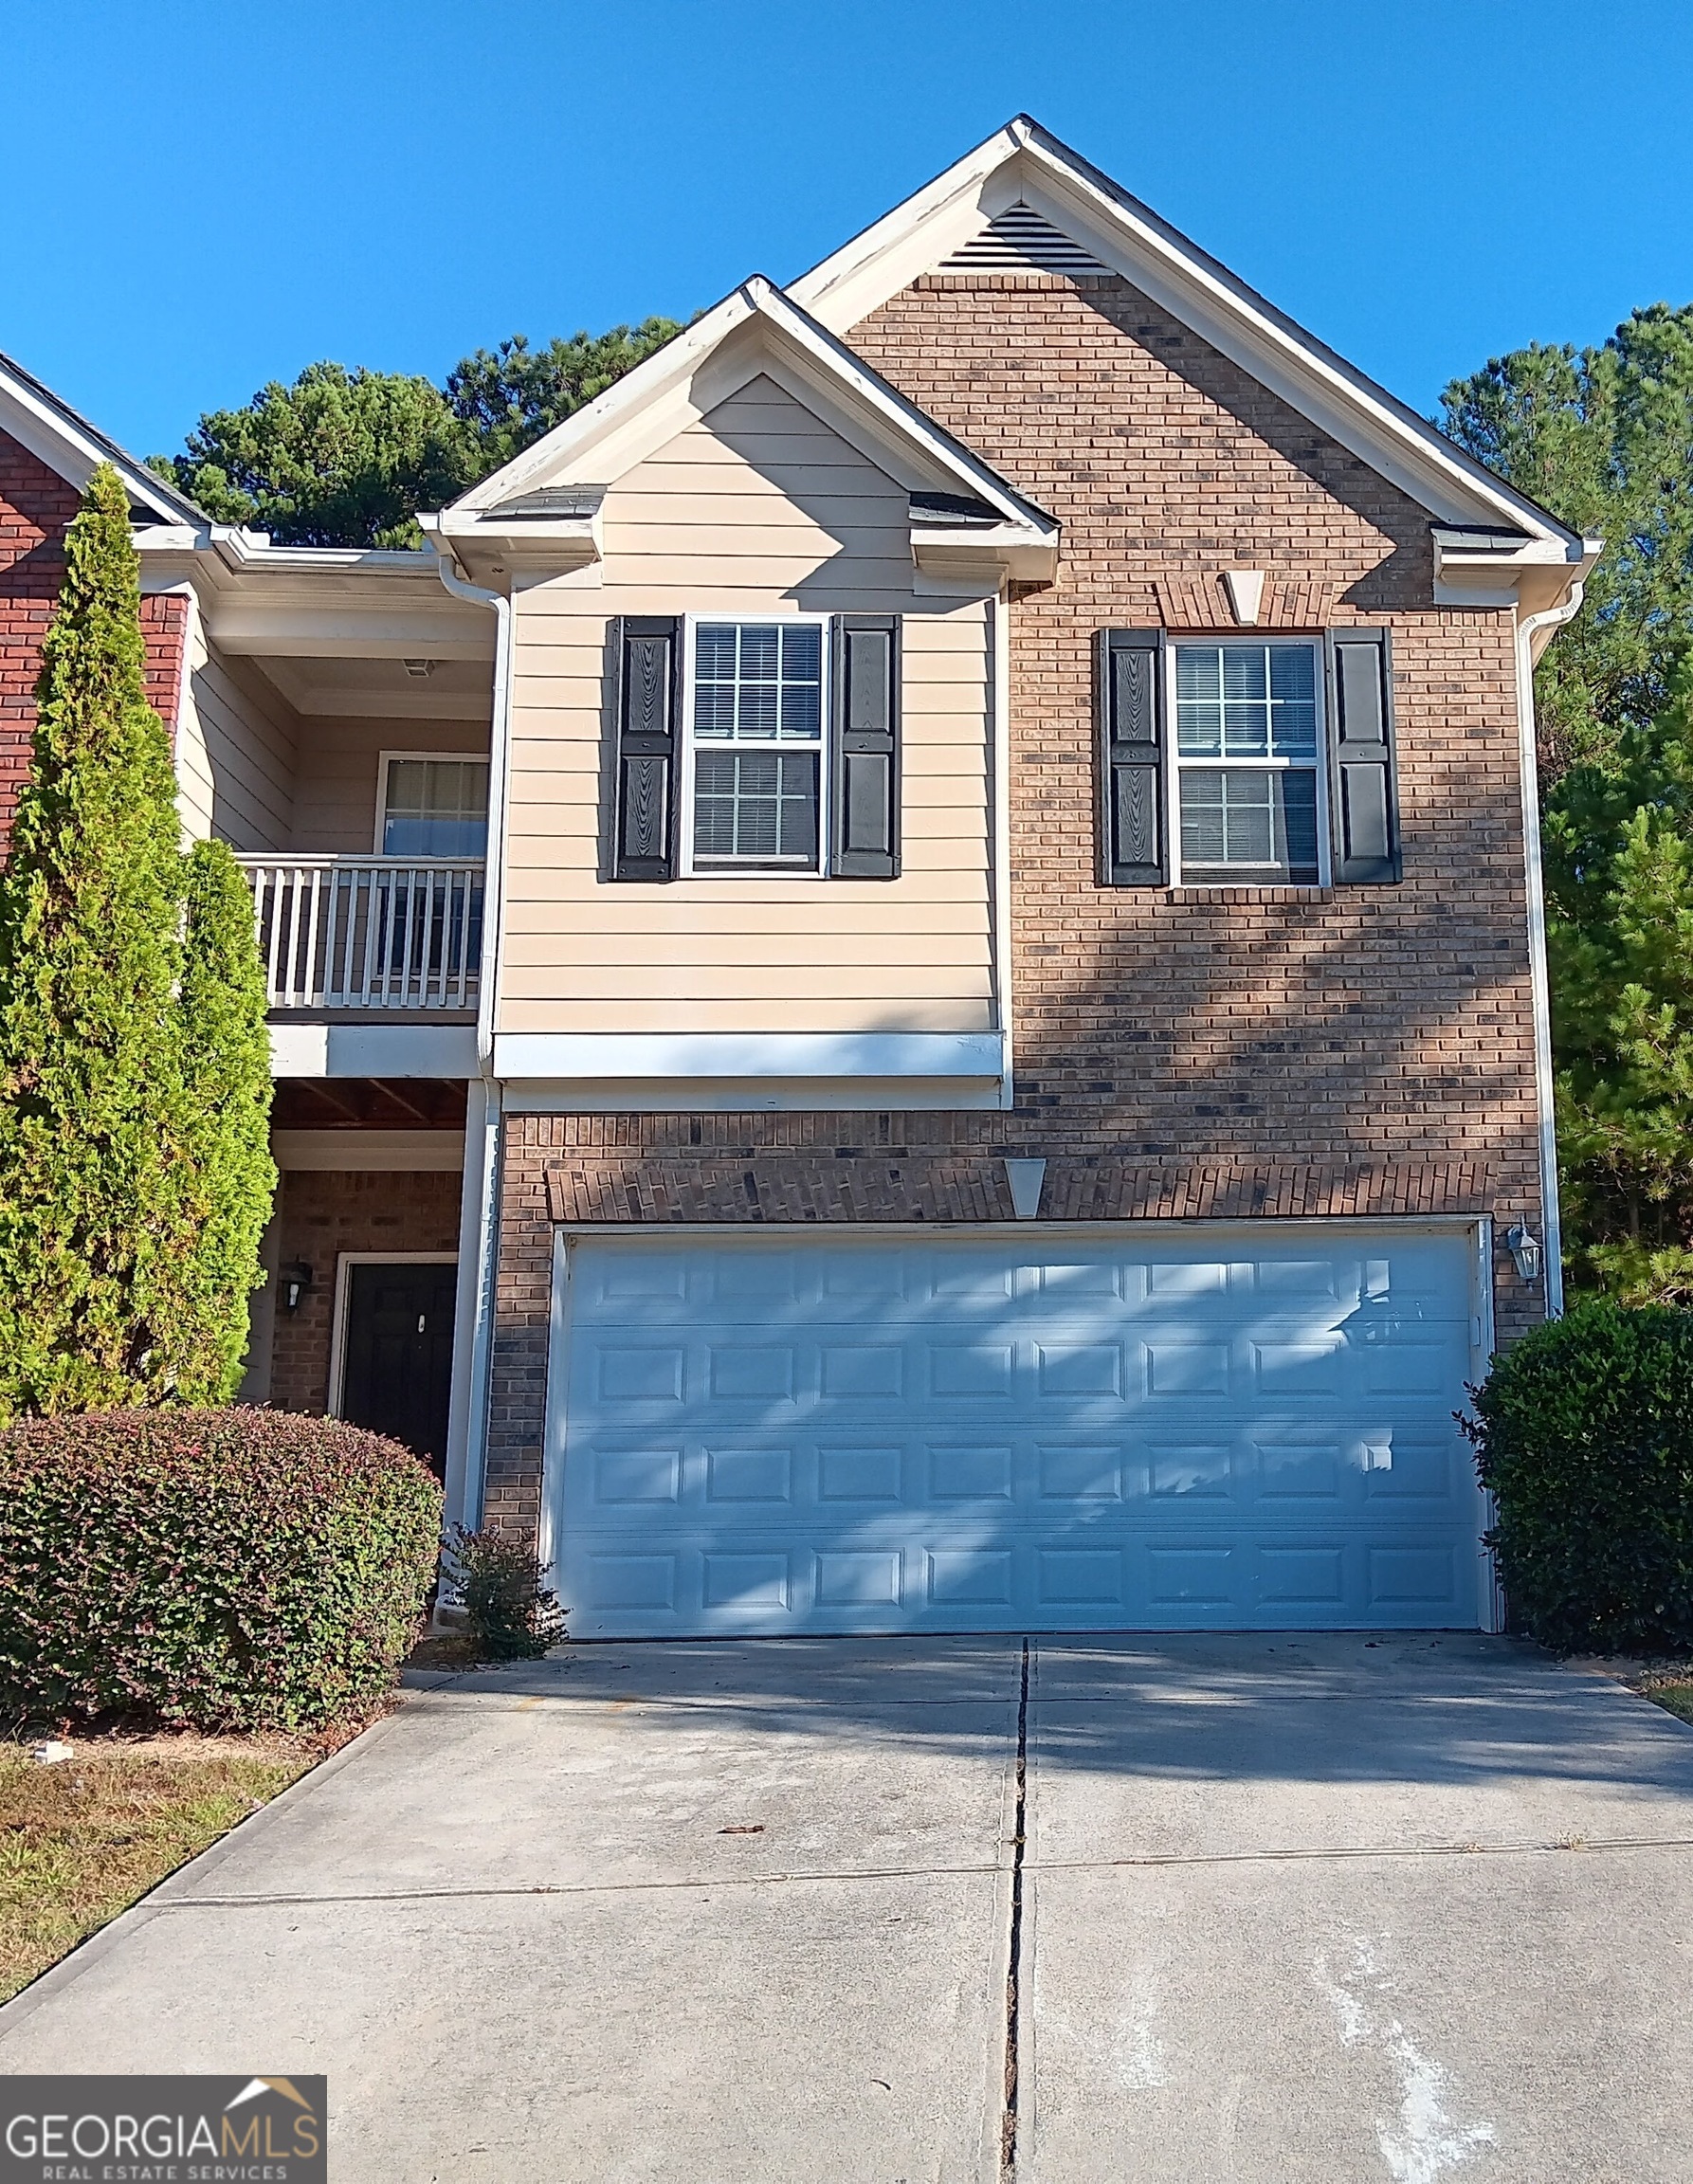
[[769, 744], [754, 745], [1250, 762]]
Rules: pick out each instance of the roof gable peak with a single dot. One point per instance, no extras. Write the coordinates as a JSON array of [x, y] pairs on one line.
[[757, 329], [1023, 177], [56, 435]]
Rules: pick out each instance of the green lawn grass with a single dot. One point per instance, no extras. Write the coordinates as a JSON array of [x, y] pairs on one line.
[[1675, 1694]]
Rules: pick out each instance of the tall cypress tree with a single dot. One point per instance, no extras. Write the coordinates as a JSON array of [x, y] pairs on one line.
[[227, 1077], [105, 1172]]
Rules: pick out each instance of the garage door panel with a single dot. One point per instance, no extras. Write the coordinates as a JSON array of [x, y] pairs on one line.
[[870, 1435], [750, 1477], [625, 1477], [1079, 1472], [1416, 1576], [969, 1471], [869, 1471], [1407, 1466], [1068, 1578]]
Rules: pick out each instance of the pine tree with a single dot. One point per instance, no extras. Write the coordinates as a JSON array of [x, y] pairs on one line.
[[1619, 842], [124, 1264], [227, 1077]]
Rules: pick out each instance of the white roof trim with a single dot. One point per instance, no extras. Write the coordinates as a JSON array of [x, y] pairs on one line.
[[74, 449], [568, 450], [1126, 235]]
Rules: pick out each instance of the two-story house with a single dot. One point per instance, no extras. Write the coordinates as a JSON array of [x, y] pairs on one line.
[[907, 966]]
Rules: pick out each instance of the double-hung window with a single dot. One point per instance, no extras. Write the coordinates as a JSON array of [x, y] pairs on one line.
[[433, 807], [1248, 762], [753, 717]]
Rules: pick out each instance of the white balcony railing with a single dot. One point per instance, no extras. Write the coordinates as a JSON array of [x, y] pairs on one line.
[[369, 932]]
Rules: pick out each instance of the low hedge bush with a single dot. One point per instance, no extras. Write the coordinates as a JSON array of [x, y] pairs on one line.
[[213, 1569], [1584, 1432]]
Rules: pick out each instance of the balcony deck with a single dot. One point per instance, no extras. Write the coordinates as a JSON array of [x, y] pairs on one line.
[[369, 936]]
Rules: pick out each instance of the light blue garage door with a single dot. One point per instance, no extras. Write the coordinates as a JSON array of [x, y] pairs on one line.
[[989, 1432]]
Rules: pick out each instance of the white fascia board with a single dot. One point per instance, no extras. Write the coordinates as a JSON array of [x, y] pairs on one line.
[[553, 532], [1477, 572], [554, 452], [253, 550], [240, 551], [650, 405], [562, 1056], [946, 552], [900, 417], [373, 1050], [347, 633], [312, 602], [906, 242], [750, 1095], [1195, 289], [73, 450]]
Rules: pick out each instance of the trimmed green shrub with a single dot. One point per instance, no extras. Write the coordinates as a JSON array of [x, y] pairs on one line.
[[510, 1615], [1584, 1433], [208, 1569]]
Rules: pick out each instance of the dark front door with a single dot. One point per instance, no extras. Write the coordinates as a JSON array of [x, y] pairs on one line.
[[398, 1376]]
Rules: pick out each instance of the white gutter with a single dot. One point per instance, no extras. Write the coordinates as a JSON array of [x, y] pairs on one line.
[[1540, 986], [467, 1438]]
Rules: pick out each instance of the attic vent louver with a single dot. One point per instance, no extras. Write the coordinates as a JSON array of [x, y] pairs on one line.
[[1020, 240]]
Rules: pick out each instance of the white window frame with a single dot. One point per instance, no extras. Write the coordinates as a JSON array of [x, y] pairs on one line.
[[387, 758], [691, 624], [1209, 640]]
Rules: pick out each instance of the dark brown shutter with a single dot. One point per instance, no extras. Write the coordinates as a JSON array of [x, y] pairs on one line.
[[1131, 722], [864, 748], [1362, 791], [646, 653]]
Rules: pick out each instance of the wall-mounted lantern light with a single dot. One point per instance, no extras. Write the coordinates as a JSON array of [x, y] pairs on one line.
[[294, 1280], [1525, 1251]]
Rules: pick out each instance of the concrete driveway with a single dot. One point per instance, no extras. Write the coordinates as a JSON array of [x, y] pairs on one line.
[[1289, 1911]]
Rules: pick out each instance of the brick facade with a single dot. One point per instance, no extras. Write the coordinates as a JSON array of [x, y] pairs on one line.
[[1223, 1052], [36, 505], [322, 1213]]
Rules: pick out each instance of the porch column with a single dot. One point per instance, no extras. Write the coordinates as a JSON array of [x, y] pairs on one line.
[[473, 1322]]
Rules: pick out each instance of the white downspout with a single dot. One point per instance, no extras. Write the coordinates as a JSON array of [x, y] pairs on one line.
[[479, 1213], [1540, 986], [1000, 671]]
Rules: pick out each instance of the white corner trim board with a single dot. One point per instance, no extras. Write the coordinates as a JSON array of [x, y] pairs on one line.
[[562, 1056]]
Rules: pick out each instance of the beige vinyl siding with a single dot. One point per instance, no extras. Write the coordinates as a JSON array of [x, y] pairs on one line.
[[334, 802], [235, 752], [758, 509]]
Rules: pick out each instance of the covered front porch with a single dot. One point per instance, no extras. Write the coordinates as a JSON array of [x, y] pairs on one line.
[[335, 729], [359, 1318]]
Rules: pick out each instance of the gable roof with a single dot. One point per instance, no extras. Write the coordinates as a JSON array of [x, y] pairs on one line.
[[553, 488], [1024, 181], [70, 446]]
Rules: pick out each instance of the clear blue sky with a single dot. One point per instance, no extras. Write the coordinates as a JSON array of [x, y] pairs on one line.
[[204, 194]]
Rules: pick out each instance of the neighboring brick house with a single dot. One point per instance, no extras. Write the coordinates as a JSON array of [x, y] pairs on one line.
[[47, 452], [998, 1060]]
